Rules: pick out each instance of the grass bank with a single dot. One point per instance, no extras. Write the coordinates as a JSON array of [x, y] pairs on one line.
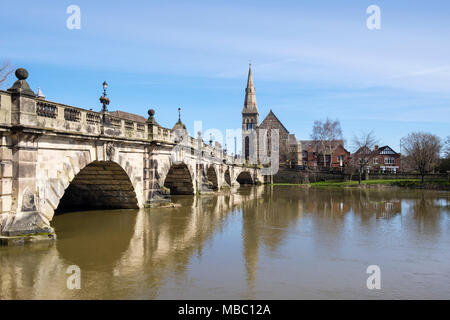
[[404, 183]]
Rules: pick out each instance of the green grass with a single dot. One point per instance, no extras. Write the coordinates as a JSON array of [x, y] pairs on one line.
[[391, 182]]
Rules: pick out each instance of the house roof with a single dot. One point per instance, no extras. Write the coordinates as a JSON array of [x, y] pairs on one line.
[[128, 116], [306, 143], [385, 148], [272, 115], [292, 139]]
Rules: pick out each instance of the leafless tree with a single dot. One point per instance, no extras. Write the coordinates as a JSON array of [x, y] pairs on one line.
[[363, 146], [447, 147], [325, 136], [422, 150], [5, 70], [350, 168]]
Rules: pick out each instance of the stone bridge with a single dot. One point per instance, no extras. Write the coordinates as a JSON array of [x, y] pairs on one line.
[[57, 158]]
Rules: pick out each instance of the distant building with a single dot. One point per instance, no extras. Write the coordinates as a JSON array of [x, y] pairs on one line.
[[312, 157], [128, 116], [384, 159]]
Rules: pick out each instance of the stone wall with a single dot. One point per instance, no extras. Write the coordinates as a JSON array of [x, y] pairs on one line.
[[271, 122]]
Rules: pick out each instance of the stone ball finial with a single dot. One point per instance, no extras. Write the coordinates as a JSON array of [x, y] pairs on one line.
[[21, 74], [151, 112]]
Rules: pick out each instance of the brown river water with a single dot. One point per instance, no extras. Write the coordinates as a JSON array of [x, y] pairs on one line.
[[281, 242]]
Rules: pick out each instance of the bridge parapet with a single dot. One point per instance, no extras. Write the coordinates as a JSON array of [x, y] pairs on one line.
[[56, 117], [52, 116]]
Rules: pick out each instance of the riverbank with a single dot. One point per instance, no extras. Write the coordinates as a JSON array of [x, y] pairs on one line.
[[401, 183]]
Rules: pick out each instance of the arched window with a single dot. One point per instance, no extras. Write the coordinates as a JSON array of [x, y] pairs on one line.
[[247, 147]]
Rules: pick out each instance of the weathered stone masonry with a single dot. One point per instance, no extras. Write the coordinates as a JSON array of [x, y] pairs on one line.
[[55, 157]]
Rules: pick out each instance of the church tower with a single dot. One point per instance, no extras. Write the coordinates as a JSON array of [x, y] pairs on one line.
[[250, 119]]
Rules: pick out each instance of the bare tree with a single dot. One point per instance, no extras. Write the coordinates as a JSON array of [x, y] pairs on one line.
[[325, 136], [422, 150], [363, 145], [350, 168], [444, 165], [447, 147], [5, 70]]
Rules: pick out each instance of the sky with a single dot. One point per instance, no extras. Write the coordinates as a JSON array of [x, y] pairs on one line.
[[310, 60]]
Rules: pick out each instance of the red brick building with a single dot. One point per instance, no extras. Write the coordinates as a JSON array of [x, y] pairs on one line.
[[312, 158], [384, 159]]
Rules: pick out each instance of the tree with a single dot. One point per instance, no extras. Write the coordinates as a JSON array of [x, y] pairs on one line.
[[5, 70], [363, 145], [325, 136], [422, 150], [350, 168], [447, 147], [444, 165]]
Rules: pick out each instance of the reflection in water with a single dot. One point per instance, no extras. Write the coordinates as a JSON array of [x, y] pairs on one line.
[[260, 242]]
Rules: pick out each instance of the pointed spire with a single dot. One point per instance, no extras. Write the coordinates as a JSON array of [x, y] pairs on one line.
[[250, 105], [250, 77]]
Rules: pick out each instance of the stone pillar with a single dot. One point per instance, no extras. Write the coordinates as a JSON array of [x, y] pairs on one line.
[[19, 153], [24, 218], [23, 108], [6, 174], [152, 125], [154, 193]]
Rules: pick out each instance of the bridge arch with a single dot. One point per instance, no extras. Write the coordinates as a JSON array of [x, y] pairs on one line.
[[213, 177], [179, 180], [99, 185], [245, 178]]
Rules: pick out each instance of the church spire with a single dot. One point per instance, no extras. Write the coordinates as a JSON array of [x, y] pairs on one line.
[[250, 97]]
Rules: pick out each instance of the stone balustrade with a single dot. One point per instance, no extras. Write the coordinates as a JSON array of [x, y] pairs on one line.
[[61, 118]]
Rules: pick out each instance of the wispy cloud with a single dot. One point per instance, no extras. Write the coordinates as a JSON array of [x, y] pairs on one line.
[[443, 70]]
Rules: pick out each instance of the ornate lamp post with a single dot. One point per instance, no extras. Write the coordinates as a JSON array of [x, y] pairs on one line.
[[105, 102]]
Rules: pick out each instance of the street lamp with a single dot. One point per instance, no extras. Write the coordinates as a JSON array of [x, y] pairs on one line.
[[105, 102], [103, 99]]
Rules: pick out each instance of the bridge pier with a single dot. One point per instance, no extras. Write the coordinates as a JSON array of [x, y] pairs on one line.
[[20, 215]]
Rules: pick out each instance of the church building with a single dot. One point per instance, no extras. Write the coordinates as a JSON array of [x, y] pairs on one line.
[[252, 134]]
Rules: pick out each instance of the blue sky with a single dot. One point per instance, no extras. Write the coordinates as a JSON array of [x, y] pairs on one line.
[[311, 59]]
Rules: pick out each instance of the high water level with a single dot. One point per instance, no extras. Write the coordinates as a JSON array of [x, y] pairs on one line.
[[263, 243]]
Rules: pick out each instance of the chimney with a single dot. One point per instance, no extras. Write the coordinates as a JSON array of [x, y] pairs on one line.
[[376, 147]]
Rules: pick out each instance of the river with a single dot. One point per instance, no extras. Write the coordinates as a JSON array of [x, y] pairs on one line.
[[281, 242]]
